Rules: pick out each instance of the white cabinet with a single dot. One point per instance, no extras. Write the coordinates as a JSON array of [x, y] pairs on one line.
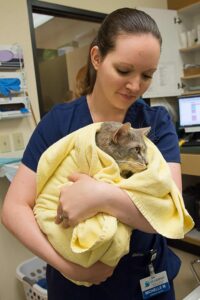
[[190, 55], [169, 79]]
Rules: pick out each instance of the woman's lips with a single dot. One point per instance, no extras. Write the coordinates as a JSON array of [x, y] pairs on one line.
[[128, 96]]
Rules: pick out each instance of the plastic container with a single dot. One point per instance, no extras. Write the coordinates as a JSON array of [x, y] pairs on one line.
[[195, 294], [29, 273], [198, 33]]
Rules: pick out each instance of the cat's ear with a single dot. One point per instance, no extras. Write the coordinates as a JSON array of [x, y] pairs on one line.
[[145, 130], [122, 130]]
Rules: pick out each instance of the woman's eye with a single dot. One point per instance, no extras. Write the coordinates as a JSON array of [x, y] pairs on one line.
[[123, 72], [147, 77]]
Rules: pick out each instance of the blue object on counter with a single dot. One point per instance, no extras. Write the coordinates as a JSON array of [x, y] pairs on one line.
[[8, 160], [9, 167], [24, 110]]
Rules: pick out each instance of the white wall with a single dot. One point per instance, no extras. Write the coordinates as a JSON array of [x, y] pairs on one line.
[[15, 29]]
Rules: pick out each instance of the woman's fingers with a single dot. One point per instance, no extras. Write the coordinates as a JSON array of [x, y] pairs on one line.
[[65, 222], [77, 176], [77, 203], [59, 217]]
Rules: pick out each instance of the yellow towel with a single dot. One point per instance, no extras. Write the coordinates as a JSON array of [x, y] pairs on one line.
[[102, 237]]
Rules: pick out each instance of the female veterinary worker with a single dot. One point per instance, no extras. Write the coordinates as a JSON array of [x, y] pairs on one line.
[[122, 60]]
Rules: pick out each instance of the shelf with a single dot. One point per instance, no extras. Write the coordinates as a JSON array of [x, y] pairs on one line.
[[193, 237], [14, 115], [189, 49], [190, 77], [191, 93], [190, 163]]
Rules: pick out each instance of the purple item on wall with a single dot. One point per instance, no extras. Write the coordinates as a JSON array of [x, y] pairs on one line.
[[6, 55]]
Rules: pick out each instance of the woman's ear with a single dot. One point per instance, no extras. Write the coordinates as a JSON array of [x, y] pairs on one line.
[[95, 57]]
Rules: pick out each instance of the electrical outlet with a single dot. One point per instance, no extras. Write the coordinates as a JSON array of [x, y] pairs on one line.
[[5, 145], [18, 141]]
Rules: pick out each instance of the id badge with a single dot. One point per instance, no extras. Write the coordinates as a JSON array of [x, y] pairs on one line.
[[154, 285]]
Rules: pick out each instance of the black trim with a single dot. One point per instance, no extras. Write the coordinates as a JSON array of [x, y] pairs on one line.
[[39, 7], [36, 66], [66, 11], [184, 246]]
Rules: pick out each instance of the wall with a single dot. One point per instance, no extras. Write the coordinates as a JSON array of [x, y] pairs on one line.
[[15, 24], [61, 31]]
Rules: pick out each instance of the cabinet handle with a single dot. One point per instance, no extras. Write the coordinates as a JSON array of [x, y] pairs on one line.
[[177, 20], [181, 85]]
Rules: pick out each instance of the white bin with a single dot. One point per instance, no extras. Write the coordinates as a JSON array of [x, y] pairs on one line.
[[29, 272]]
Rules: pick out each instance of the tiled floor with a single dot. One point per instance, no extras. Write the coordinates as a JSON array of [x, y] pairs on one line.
[[185, 282]]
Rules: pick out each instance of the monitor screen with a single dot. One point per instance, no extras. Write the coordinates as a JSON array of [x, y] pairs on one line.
[[189, 113]]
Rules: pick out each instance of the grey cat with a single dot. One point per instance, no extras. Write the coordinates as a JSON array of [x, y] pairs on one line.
[[125, 144]]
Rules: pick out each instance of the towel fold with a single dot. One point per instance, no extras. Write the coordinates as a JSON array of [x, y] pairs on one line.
[[7, 85], [102, 237]]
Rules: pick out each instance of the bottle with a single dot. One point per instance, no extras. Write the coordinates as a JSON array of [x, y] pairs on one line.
[[198, 33], [183, 40]]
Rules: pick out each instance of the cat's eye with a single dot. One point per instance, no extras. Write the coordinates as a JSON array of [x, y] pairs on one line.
[[137, 149]]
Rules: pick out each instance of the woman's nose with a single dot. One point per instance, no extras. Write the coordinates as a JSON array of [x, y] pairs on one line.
[[134, 84]]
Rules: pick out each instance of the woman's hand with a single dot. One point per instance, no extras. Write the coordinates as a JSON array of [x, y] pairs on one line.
[[95, 274], [86, 197], [80, 200]]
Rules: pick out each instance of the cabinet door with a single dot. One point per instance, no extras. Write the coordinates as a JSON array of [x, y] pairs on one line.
[[166, 81]]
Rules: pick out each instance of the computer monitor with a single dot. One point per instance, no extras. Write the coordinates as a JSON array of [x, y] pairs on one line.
[[189, 113]]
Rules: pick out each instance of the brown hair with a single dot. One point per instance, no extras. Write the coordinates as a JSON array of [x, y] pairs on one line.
[[80, 82], [121, 21]]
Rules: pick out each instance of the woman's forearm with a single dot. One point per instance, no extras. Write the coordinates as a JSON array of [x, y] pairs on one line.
[[117, 203]]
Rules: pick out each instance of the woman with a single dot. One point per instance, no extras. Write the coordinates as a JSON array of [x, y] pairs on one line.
[[122, 60]]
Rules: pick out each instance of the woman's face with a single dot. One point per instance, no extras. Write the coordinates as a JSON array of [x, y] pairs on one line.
[[126, 72]]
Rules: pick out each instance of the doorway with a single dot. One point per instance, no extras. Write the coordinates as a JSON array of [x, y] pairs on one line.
[[61, 37]]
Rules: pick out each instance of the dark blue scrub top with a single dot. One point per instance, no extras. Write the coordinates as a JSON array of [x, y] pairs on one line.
[[68, 117], [124, 283]]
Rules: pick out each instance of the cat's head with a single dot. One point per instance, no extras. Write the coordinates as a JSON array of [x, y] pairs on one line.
[[126, 145]]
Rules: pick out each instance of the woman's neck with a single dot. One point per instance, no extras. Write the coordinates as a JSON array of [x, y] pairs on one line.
[[103, 113]]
